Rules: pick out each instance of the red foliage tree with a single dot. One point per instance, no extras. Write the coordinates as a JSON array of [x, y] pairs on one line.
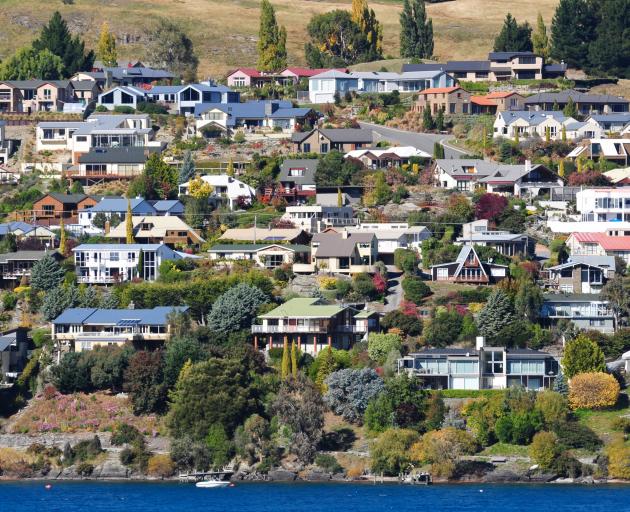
[[379, 282], [490, 206], [591, 177]]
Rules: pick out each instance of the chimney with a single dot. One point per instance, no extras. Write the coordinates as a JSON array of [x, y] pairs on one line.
[[480, 342], [108, 79], [528, 165], [107, 227], [344, 233]]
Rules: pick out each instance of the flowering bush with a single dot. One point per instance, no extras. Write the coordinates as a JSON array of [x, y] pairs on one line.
[[593, 391]]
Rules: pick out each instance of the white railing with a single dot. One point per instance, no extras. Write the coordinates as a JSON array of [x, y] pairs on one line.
[[96, 279], [273, 329]]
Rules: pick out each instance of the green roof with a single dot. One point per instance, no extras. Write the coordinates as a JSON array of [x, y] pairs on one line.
[[256, 247], [364, 313], [306, 308]]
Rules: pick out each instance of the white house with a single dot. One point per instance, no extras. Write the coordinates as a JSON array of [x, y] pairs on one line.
[[323, 87], [316, 218], [603, 204], [233, 191], [614, 150], [393, 235], [121, 96], [536, 123], [267, 256], [184, 98], [378, 158], [115, 263]]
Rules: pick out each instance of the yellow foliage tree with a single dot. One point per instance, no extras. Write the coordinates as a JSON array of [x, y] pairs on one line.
[[561, 168], [230, 167], [544, 449], [593, 391], [129, 224], [160, 466], [200, 189], [618, 454], [62, 239], [442, 449], [107, 46]]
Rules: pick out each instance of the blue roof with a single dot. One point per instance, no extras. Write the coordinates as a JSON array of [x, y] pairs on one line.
[[122, 317], [10, 227], [252, 110], [169, 205], [117, 204]]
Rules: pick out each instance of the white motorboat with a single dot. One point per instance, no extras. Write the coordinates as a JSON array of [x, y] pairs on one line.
[[211, 484]]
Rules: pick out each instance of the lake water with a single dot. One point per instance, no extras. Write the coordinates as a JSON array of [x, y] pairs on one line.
[[157, 497]]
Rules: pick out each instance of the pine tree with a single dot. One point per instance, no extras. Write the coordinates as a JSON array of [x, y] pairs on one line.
[[107, 47], [294, 360], [564, 133], [416, 31], [272, 40], [129, 223], [62, 238], [286, 360], [496, 314], [56, 38], [570, 109], [427, 119], [572, 30], [439, 120], [46, 274], [514, 37], [609, 53], [540, 40], [187, 170], [560, 384]]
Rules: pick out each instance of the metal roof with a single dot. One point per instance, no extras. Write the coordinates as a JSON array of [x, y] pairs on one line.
[[332, 244], [304, 308], [93, 316], [257, 247], [308, 164]]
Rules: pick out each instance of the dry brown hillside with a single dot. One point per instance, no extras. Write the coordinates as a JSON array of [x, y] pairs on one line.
[[225, 31]]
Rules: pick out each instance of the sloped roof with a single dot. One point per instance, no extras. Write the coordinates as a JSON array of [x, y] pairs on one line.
[[257, 247], [578, 97], [360, 135], [608, 243], [261, 234], [308, 164], [333, 244], [119, 204], [439, 90], [94, 316], [533, 118], [119, 155], [483, 100], [24, 256], [303, 308], [160, 224]]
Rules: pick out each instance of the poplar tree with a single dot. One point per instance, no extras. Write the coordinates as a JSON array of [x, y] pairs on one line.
[[540, 40], [294, 360], [286, 361], [272, 40], [107, 47], [129, 223], [62, 239], [416, 31], [365, 18]]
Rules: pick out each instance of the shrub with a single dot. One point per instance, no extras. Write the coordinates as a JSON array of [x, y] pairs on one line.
[[126, 434], [161, 466], [618, 455], [442, 449], [85, 469], [415, 289], [593, 391], [575, 435], [553, 406], [406, 260], [127, 457], [380, 345], [503, 429], [409, 325], [328, 463], [391, 451], [123, 109], [544, 449], [349, 392], [582, 355]]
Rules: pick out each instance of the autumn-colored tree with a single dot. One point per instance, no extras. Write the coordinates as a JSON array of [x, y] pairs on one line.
[[442, 449], [618, 454], [129, 224], [199, 188], [544, 449], [594, 390], [107, 47], [62, 238], [161, 466]]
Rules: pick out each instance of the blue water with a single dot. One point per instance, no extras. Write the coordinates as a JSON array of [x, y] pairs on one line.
[[157, 497]]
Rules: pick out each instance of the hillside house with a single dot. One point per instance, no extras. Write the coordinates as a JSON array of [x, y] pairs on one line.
[[452, 100], [268, 256], [316, 218], [225, 189], [113, 163], [6, 145], [391, 236], [55, 206], [585, 103], [613, 150], [296, 181], [313, 326], [504, 242], [267, 235], [13, 354], [468, 268], [109, 206], [383, 158], [540, 123], [17, 265], [135, 76], [324, 140], [87, 328], [157, 229], [585, 311], [580, 274], [599, 244]]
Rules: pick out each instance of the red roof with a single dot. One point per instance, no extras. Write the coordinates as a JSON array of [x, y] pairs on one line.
[[438, 90], [483, 100], [500, 94], [608, 243]]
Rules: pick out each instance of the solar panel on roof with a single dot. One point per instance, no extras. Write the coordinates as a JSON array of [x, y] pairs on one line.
[[274, 238], [128, 322]]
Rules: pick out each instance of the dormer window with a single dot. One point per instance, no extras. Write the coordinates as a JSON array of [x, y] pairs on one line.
[[296, 171]]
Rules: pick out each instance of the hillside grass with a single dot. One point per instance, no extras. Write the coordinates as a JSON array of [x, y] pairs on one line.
[[224, 32]]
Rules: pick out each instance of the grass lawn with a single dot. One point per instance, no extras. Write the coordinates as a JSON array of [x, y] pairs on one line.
[[443, 288], [505, 450], [601, 422]]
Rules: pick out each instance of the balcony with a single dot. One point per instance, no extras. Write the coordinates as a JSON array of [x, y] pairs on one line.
[[315, 329], [97, 279]]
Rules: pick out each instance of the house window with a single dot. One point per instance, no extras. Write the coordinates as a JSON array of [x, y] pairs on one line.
[[324, 148], [306, 147], [126, 99], [296, 172], [465, 108], [239, 82], [451, 108], [273, 260], [113, 256], [48, 134], [527, 60], [81, 138], [48, 209], [47, 94]]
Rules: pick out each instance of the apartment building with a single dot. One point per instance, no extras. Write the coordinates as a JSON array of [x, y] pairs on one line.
[[116, 263]]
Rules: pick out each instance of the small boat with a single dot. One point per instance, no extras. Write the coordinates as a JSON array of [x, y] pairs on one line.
[[211, 484]]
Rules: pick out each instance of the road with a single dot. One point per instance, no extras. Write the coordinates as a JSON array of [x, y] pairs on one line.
[[394, 289], [422, 141]]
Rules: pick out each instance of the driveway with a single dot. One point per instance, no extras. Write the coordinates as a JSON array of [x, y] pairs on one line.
[[422, 141], [394, 289]]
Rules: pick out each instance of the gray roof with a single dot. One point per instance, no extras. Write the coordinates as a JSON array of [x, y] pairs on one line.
[[68, 198], [485, 168], [534, 118], [578, 97], [350, 135], [598, 261], [492, 236], [308, 164], [120, 155], [467, 65], [82, 85], [509, 55], [436, 352], [423, 67], [34, 84], [573, 297], [333, 245], [24, 256]]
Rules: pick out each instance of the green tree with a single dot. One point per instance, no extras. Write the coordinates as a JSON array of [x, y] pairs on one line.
[[144, 380], [406, 260], [29, 64], [617, 292], [438, 150], [609, 52], [496, 314], [57, 300], [416, 31], [427, 119], [582, 355], [443, 328], [129, 224], [140, 268], [168, 47], [187, 170], [390, 452], [272, 39], [544, 449], [56, 38], [380, 345], [415, 289], [513, 37], [334, 169], [46, 274], [107, 47], [365, 18], [157, 181], [540, 40], [219, 446], [236, 308], [572, 30], [439, 122], [528, 300], [327, 365], [570, 109], [294, 360], [210, 392], [178, 351]]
